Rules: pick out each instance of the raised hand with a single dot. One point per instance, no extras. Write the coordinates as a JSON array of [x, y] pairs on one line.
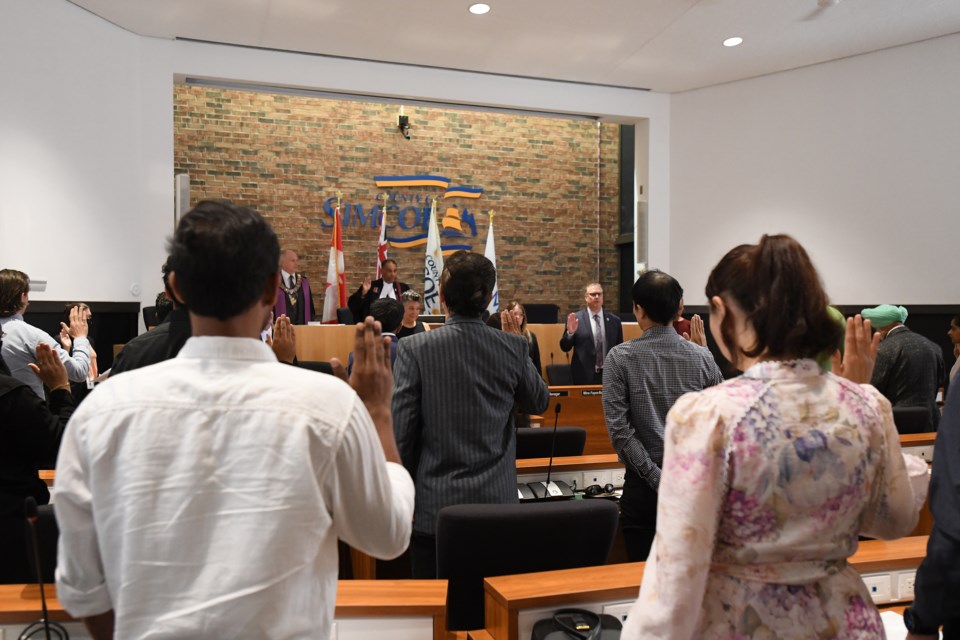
[[49, 368], [698, 334], [509, 324], [372, 379], [78, 324], [284, 343], [860, 351], [572, 324], [365, 287], [65, 340]]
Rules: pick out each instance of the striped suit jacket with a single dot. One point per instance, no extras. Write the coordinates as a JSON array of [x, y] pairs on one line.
[[455, 389]]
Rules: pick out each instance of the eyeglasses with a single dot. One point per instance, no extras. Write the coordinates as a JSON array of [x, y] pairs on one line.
[[594, 294]]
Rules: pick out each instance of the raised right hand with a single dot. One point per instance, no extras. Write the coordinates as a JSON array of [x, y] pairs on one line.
[[78, 323], [365, 287], [572, 324]]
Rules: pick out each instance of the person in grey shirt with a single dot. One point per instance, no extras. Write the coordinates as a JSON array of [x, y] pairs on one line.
[[453, 404], [641, 381], [21, 339]]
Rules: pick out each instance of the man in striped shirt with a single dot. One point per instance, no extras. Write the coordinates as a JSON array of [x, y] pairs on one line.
[[641, 381], [453, 404]]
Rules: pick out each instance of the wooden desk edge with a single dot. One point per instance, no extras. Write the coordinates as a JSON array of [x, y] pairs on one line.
[[355, 598]]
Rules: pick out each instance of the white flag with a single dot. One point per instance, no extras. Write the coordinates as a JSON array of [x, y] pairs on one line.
[[432, 266], [490, 253], [336, 294]]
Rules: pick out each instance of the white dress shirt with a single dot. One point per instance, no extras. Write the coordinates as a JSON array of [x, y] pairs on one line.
[[202, 497], [20, 342]]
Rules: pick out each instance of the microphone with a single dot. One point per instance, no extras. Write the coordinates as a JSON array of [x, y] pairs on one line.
[[559, 489], [32, 514]]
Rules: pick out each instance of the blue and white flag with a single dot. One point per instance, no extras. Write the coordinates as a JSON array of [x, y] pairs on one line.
[[432, 266], [490, 253]]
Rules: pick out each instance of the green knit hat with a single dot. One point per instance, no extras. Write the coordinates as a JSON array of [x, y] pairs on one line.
[[884, 315]]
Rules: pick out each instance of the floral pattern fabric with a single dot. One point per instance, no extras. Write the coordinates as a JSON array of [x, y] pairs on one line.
[[768, 480]]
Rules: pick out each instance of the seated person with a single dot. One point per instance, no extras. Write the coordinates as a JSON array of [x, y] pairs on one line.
[[412, 308], [29, 440]]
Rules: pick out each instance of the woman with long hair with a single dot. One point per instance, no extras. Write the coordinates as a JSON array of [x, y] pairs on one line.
[[769, 478], [520, 315]]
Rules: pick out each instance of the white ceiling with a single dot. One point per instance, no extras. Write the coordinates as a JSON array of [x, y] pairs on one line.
[[663, 45]]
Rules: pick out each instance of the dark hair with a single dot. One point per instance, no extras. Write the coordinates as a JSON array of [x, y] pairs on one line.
[[13, 284], [223, 256], [659, 294], [467, 282], [779, 290], [388, 260], [388, 312], [956, 319]]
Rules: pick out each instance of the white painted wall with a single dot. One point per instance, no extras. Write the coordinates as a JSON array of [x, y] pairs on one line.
[[856, 158], [86, 136]]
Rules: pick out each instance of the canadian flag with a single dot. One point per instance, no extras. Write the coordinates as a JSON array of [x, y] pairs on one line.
[[336, 294]]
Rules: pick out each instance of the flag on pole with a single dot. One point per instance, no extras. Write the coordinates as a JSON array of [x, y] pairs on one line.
[[336, 294], [432, 265], [382, 245], [490, 253]]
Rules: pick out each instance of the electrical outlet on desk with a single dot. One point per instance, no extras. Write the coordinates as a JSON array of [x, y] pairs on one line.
[[601, 477], [906, 580], [880, 586], [619, 477], [618, 610]]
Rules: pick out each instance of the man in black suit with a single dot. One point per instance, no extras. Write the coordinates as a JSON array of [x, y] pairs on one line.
[[591, 333], [385, 287]]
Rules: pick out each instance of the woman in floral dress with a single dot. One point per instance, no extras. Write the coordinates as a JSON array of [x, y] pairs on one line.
[[769, 478]]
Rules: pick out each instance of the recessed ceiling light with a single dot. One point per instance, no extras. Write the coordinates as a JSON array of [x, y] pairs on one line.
[[732, 42], [479, 8]]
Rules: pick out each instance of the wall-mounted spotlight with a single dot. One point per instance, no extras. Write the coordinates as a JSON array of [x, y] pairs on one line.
[[403, 122]]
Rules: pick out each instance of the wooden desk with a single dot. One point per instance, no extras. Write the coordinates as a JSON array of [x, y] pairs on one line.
[[322, 342], [362, 605], [582, 406], [506, 596]]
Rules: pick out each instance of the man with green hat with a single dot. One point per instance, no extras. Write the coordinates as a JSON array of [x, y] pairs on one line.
[[909, 368]]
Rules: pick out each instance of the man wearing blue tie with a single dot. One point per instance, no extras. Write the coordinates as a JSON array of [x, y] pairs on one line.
[[591, 333]]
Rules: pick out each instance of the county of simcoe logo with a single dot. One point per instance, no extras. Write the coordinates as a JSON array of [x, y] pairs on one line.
[[407, 201]]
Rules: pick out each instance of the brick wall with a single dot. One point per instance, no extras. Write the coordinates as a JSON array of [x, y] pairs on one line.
[[286, 155]]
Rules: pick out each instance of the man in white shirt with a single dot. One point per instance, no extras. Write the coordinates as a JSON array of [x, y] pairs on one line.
[[202, 497]]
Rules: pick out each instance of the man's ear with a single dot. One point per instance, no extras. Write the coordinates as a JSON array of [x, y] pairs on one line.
[[638, 312], [174, 290], [272, 290]]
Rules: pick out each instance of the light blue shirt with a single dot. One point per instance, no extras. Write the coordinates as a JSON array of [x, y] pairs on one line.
[[20, 342]]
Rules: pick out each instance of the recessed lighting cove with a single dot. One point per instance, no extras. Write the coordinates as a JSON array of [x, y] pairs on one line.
[[732, 42], [479, 9]]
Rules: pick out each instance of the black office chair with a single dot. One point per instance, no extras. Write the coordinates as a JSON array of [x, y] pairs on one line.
[[345, 316], [542, 313], [912, 419], [316, 365], [48, 533], [559, 375], [476, 541], [150, 318], [536, 443]]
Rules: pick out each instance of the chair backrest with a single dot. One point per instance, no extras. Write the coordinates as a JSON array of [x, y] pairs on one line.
[[345, 316], [559, 375], [912, 419], [476, 541], [150, 316], [48, 533], [536, 443], [538, 313], [316, 365]]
